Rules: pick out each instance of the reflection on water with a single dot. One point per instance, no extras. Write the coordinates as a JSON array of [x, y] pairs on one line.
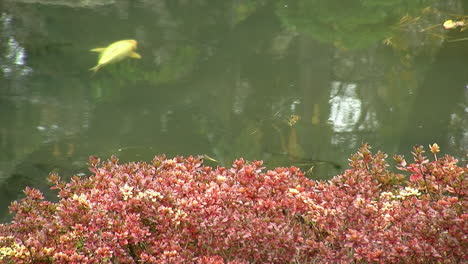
[[252, 79], [12, 62], [345, 107]]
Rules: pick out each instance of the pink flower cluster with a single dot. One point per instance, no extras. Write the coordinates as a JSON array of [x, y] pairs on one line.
[[179, 211], [369, 214]]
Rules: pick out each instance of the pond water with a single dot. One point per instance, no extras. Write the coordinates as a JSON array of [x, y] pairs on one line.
[[301, 82]]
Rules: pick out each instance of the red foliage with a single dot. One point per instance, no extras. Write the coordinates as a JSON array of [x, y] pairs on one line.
[[179, 211]]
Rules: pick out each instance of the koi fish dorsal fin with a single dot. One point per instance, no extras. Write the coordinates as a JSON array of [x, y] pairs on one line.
[[134, 55], [98, 49]]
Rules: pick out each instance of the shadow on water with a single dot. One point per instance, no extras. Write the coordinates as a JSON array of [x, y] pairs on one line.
[[33, 170]]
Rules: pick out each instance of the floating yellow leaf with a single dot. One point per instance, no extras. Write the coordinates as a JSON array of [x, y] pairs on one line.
[[292, 120]]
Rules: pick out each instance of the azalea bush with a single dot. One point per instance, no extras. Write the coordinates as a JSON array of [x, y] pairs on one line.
[[179, 211], [369, 214]]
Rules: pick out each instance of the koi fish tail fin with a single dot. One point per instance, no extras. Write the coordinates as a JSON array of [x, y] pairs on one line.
[[94, 69]]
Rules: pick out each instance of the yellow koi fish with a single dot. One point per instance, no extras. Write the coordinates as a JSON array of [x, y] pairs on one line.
[[115, 52], [450, 24]]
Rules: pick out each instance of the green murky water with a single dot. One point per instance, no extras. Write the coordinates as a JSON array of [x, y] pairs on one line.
[[301, 82]]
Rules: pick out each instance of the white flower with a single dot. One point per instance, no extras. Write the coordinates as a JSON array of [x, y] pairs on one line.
[[387, 195], [408, 191], [126, 192], [151, 195], [82, 199], [387, 206], [388, 218], [293, 191], [359, 201]]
